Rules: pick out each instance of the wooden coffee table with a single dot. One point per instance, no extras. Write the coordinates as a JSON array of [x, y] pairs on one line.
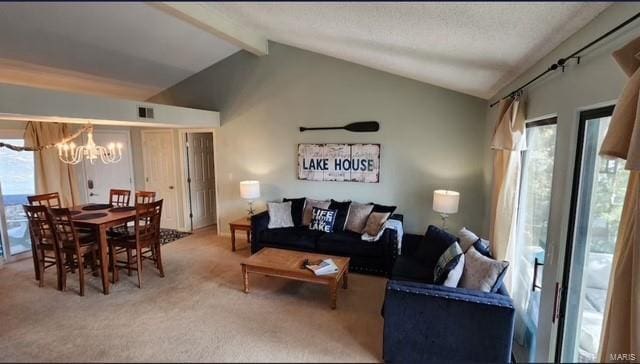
[[288, 264]]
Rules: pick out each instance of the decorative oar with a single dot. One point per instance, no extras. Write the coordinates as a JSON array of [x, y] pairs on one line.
[[357, 127]]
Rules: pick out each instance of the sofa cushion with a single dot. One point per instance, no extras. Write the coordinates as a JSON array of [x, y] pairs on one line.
[[297, 208], [375, 223], [308, 208], [435, 242], [279, 215], [343, 211], [291, 237], [446, 263], [323, 219], [383, 208], [482, 273], [407, 268], [348, 243], [358, 215]]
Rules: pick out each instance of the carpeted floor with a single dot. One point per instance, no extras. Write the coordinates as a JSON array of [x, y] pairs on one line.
[[196, 313]]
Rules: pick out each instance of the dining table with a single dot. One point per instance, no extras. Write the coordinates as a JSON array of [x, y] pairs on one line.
[[108, 218]]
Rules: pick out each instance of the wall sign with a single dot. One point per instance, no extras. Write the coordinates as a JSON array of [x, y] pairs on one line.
[[339, 162]]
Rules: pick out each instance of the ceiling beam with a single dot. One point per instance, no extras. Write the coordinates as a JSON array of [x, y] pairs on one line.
[[208, 19]]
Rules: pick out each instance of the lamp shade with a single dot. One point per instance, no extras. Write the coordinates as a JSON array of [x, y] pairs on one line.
[[249, 190], [445, 202]]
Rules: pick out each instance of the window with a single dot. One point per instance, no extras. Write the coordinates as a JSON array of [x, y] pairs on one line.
[[16, 182], [531, 233]]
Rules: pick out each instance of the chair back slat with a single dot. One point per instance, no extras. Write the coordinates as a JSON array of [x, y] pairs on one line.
[[40, 226], [147, 223], [145, 197], [119, 198], [51, 200], [64, 228]]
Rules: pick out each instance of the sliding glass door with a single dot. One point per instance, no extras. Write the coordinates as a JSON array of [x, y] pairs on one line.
[[16, 182], [598, 195], [531, 233]]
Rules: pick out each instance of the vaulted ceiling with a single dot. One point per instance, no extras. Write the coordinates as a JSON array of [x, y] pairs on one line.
[[134, 50]]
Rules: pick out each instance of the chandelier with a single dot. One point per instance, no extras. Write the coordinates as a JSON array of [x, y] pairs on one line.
[[70, 153]]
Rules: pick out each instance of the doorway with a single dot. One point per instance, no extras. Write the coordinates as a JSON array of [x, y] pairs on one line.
[[158, 154], [198, 159], [17, 181], [99, 178], [599, 189]]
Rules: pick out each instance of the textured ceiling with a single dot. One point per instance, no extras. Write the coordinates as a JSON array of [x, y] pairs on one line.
[[475, 48], [132, 44]]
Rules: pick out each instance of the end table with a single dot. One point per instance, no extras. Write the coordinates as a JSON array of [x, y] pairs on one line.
[[240, 224]]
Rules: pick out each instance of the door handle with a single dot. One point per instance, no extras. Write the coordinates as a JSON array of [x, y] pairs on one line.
[[536, 264], [93, 194]]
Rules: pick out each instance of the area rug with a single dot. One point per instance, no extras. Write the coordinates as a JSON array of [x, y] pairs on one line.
[[170, 235]]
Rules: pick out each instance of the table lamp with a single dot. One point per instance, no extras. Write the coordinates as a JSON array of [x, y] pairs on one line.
[[250, 191], [445, 203]]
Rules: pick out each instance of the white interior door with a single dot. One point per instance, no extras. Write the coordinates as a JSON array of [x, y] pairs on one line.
[[202, 172], [99, 178], [158, 151]]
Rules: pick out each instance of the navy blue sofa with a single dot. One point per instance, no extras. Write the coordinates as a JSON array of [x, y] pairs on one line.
[[426, 323], [376, 258]]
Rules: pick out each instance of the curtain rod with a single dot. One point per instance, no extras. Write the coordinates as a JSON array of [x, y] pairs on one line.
[[562, 61]]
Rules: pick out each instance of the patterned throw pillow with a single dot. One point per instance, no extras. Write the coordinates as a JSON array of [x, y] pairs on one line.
[[279, 215], [323, 219], [308, 209], [482, 273], [375, 222], [357, 218], [447, 263]]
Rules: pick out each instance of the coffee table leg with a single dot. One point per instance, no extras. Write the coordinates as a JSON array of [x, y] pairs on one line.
[[345, 280], [333, 292], [245, 279]]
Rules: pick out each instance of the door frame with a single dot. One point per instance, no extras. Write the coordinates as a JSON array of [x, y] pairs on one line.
[[83, 172], [10, 133], [583, 116], [183, 176], [172, 149]]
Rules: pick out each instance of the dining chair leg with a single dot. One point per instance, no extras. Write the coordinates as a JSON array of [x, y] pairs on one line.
[[158, 248], [59, 271], [129, 262], [69, 258], [41, 267], [114, 269], [94, 263], [81, 273], [139, 266]]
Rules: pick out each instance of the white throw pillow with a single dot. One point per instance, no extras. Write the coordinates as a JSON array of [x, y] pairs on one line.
[[467, 239], [482, 273], [454, 275], [279, 215]]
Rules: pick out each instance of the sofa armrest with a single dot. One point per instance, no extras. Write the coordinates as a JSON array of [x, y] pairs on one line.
[[259, 223], [429, 323], [411, 243], [389, 239]]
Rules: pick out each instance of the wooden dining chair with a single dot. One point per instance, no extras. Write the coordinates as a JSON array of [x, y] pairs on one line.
[[145, 196], [119, 198], [51, 200], [147, 236], [78, 250], [43, 240]]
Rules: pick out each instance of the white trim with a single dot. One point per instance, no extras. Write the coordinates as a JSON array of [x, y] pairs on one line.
[[543, 117], [185, 190], [172, 148]]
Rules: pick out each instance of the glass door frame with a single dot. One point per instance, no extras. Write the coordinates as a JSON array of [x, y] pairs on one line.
[[584, 116], [4, 234]]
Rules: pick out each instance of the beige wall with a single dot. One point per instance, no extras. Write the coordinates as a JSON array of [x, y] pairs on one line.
[[431, 137], [596, 81]]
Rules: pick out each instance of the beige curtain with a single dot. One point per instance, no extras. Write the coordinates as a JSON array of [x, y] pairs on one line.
[[621, 329], [50, 173], [508, 142]]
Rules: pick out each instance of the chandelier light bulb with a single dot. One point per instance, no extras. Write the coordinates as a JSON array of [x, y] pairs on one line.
[[71, 154]]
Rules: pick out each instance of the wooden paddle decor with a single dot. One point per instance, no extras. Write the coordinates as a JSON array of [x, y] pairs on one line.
[[357, 127]]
